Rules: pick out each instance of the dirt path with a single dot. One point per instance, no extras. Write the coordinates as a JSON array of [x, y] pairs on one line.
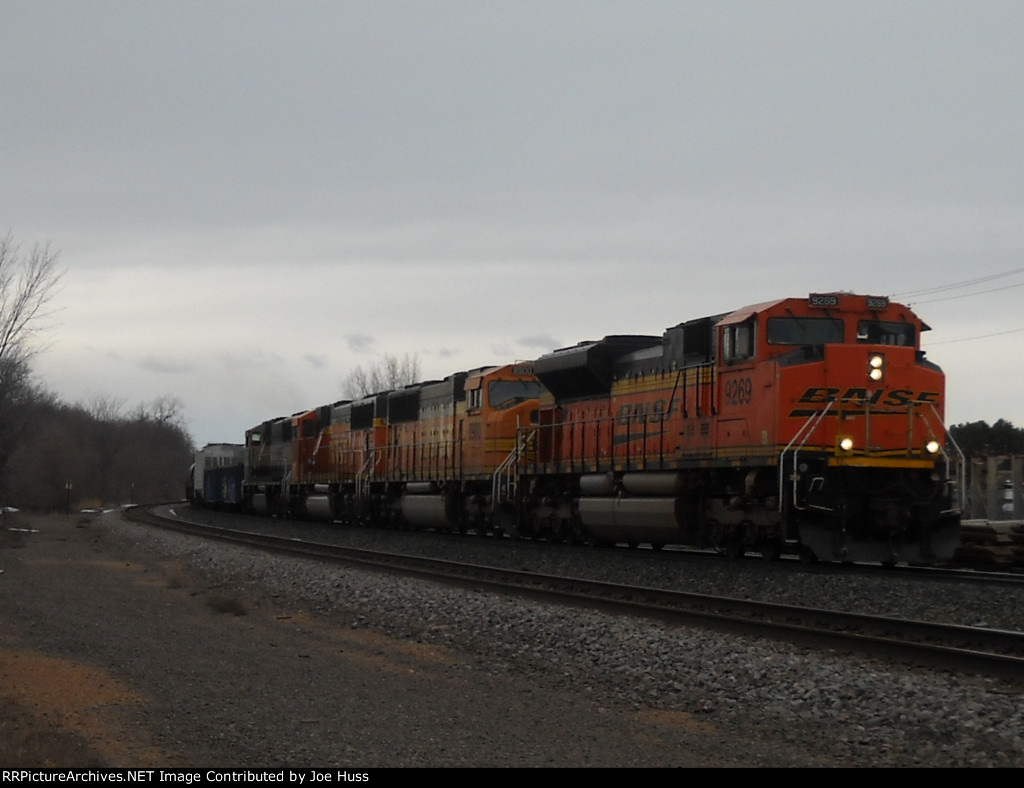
[[113, 654]]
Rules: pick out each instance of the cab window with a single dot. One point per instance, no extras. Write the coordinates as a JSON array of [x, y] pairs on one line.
[[879, 332], [506, 393], [738, 341], [804, 330]]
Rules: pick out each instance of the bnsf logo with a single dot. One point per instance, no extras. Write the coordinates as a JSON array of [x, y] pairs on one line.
[[858, 396]]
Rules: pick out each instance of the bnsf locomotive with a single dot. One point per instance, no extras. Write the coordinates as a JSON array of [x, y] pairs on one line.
[[804, 425]]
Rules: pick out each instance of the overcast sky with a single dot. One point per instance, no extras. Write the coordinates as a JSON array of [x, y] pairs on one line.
[[252, 198]]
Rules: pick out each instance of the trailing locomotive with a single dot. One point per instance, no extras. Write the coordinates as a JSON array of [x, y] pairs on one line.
[[808, 425]]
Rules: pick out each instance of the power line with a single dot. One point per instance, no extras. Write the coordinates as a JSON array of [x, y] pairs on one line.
[[966, 295], [957, 285], [971, 339]]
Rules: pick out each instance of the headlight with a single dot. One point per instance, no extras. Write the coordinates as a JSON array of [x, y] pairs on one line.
[[932, 447], [846, 444], [876, 367]]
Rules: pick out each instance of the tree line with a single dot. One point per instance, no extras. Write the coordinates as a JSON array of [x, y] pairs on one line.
[[91, 455], [979, 439], [55, 455]]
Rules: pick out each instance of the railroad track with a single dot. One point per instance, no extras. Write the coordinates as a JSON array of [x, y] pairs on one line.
[[977, 650]]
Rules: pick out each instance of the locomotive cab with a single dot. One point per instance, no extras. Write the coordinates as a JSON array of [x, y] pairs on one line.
[[499, 400], [863, 473]]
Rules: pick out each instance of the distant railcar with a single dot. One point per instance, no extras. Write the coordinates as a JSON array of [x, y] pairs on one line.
[[217, 475]]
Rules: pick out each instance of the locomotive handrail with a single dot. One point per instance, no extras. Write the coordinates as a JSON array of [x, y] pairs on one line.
[[503, 469], [362, 473], [809, 426], [961, 466]]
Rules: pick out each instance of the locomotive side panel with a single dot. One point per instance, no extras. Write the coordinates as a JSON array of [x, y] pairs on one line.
[[438, 431], [305, 446], [268, 461], [343, 448], [403, 457]]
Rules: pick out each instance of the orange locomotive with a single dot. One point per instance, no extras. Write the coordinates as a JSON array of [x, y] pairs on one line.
[[812, 425], [424, 456]]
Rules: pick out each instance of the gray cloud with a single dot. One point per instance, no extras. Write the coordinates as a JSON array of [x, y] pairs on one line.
[[164, 366], [541, 341], [235, 186], [360, 343]]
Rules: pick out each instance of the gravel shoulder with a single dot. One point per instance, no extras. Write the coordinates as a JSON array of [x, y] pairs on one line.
[[126, 646]]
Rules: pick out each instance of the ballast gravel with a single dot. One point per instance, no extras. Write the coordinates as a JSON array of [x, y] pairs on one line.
[[838, 709], [547, 685]]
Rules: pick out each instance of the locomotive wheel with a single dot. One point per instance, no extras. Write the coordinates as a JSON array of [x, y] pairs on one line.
[[735, 549], [770, 551]]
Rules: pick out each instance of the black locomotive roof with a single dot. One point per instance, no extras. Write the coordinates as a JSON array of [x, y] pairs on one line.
[[587, 369]]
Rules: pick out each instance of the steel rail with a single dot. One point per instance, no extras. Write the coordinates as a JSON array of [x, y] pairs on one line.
[[992, 652]]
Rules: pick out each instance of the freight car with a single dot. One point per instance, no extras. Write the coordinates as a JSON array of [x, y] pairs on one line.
[[803, 425], [216, 476]]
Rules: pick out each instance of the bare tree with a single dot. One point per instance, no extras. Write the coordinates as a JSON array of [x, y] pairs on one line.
[[27, 283], [104, 407], [163, 410], [390, 373]]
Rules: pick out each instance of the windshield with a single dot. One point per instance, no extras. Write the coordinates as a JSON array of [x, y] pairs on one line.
[[506, 393], [804, 330], [878, 332]]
